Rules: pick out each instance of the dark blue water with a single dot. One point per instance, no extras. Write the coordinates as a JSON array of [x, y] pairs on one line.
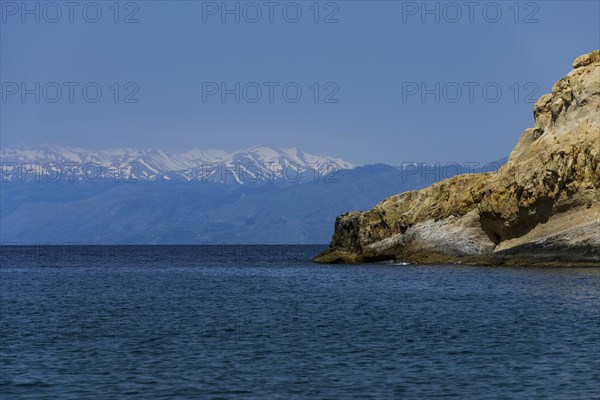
[[265, 322]]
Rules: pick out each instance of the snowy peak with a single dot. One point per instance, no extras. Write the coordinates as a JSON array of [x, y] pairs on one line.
[[255, 164], [210, 155]]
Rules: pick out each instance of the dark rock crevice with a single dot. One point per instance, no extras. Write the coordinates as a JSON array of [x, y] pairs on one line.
[[499, 229]]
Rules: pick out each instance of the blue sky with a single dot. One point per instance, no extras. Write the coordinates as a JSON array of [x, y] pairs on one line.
[[375, 61]]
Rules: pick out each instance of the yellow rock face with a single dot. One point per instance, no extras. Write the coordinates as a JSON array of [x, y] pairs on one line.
[[541, 208]]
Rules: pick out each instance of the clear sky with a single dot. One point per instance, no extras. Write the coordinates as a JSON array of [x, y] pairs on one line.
[[371, 61]]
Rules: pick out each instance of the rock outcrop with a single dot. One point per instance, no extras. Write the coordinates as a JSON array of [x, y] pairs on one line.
[[541, 208]]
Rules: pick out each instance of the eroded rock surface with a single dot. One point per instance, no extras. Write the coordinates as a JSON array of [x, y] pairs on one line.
[[541, 208]]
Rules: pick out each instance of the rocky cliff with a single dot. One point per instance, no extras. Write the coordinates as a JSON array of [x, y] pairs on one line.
[[541, 208]]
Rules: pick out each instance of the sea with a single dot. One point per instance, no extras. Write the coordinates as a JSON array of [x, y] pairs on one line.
[[265, 322]]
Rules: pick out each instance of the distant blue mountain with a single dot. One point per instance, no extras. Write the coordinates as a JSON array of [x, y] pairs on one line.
[[179, 211]]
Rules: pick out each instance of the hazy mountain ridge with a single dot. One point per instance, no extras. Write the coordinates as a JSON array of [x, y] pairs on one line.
[[177, 200], [188, 212]]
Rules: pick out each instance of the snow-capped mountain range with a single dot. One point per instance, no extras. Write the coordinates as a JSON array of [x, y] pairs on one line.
[[256, 164]]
